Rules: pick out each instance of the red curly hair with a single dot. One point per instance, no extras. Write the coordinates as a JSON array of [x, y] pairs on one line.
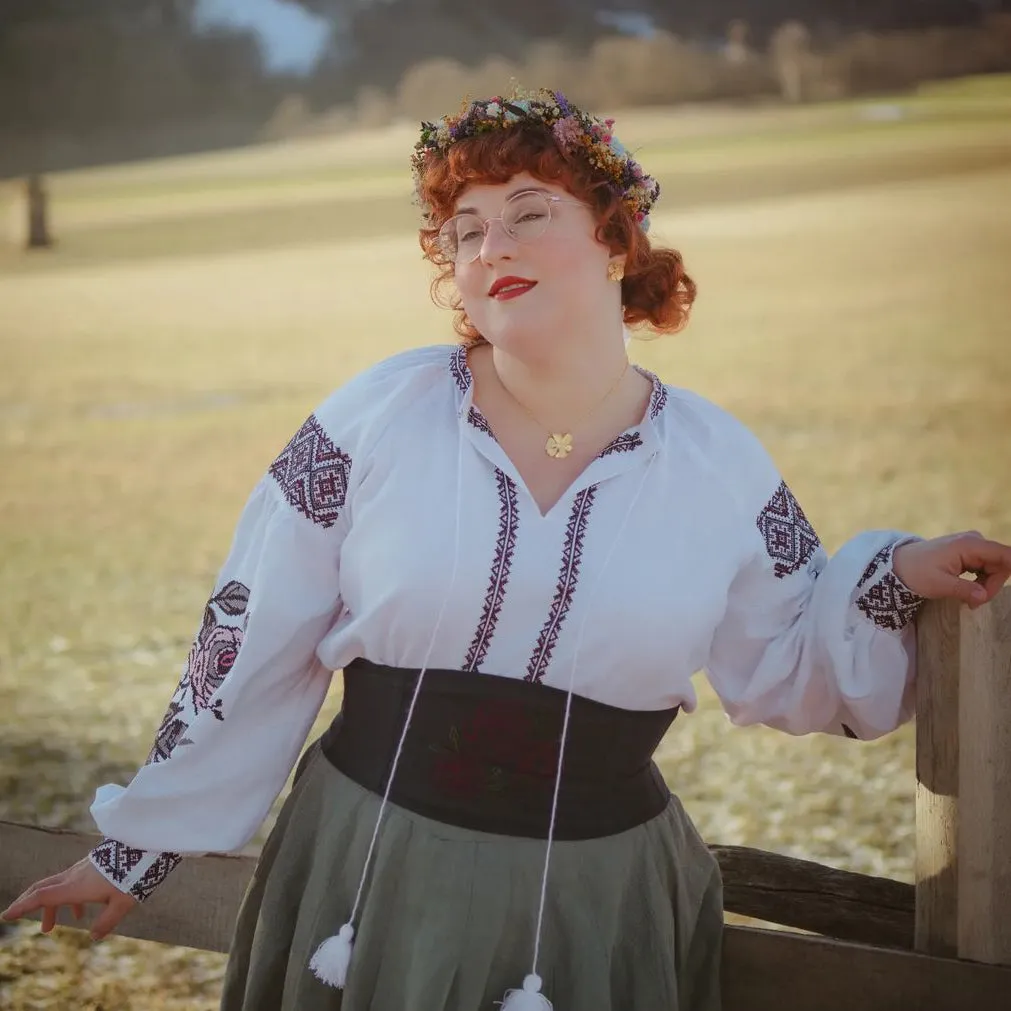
[[656, 290]]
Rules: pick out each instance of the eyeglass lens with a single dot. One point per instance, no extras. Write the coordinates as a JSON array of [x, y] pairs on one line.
[[525, 217]]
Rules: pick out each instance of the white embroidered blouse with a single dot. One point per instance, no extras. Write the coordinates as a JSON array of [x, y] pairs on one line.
[[678, 549]]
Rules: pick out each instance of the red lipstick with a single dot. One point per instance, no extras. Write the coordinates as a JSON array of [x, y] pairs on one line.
[[510, 287]]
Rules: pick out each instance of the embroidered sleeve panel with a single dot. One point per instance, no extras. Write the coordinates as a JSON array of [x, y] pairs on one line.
[[211, 658], [212, 655], [313, 474], [790, 540], [885, 600], [134, 871]]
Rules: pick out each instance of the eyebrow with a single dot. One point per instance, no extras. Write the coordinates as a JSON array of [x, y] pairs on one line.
[[521, 189]]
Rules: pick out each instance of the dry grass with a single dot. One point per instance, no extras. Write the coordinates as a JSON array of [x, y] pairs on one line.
[[859, 325]]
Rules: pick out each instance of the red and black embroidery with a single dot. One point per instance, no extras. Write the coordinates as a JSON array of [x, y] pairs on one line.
[[789, 537], [170, 734], [624, 443], [888, 602], [658, 398], [116, 859], [505, 545], [479, 421], [313, 474], [572, 554], [658, 401], [500, 739], [155, 875], [879, 561], [459, 368], [211, 658]]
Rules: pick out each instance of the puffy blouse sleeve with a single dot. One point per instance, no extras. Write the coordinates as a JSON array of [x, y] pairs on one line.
[[809, 643], [252, 686]]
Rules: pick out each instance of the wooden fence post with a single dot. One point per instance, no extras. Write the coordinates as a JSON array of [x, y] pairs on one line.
[[937, 707], [984, 784]]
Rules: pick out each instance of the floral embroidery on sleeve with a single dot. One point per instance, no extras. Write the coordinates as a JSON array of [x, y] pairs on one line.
[[887, 601], [211, 657]]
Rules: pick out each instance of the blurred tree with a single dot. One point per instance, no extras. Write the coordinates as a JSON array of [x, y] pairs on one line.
[[122, 78], [86, 79], [554, 18]]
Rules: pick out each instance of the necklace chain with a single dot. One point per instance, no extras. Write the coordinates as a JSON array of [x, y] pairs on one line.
[[560, 444]]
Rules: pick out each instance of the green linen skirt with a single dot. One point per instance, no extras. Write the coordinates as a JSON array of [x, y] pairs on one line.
[[448, 917]]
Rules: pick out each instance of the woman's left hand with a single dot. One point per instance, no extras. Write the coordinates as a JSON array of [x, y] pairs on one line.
[[932, 568]]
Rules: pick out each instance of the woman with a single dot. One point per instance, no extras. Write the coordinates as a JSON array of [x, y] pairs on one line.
[[519, 549]]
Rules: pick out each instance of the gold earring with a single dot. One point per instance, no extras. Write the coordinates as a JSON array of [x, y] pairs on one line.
[[615, 271]]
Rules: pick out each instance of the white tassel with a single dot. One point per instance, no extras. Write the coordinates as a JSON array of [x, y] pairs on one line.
[[332, 958], [529, 998]]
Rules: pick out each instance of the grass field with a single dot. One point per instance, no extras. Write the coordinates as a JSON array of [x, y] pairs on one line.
[[854, 301]]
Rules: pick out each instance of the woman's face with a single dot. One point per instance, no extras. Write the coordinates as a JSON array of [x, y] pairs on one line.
[[560, 277]]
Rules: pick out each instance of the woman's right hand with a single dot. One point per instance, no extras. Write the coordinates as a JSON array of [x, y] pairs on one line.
[[78, 884]]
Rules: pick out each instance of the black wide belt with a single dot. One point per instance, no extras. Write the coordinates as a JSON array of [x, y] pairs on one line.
[[482, 751]]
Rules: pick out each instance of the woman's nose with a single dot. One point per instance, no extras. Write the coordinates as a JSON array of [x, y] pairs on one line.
[[497, 241]]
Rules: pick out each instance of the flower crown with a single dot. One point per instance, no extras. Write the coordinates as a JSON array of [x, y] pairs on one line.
[[575, 132]]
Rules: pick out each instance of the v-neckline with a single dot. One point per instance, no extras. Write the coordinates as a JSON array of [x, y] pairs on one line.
[[620, 454]]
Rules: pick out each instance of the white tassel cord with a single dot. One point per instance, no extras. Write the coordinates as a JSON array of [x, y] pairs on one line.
[[530, 997], [330, 963], [332, 959]]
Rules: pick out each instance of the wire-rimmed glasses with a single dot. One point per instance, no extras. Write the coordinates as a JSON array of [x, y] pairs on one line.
[[525, 218]]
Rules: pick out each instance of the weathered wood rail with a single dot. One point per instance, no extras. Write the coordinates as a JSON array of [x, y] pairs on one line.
[[943, 944]]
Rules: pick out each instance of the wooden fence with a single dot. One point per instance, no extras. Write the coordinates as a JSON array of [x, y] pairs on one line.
[[942, 944]]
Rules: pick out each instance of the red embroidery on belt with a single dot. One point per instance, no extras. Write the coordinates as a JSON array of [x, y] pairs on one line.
[[499, 740]]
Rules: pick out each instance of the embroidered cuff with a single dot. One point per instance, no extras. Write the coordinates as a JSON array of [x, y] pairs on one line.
[[885, 600], [136, 872]]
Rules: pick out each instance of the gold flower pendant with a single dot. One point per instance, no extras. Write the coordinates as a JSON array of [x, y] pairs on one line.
[[559, 445]]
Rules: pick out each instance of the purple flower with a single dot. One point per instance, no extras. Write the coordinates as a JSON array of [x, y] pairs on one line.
[[567, 132]]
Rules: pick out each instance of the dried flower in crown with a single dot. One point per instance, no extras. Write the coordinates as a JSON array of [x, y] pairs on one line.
[[577, 133]]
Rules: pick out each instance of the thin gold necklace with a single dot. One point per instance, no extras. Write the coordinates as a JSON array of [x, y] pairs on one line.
[[560, 444]]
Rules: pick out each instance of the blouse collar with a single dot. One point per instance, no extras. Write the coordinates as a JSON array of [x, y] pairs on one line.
[[632, 440]]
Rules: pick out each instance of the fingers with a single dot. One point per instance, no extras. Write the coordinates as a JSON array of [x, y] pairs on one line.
[[22, 904], [992, 580], [989, 561], [980, 553], [966, 590], [48, 899], [25, 903], [33, 900], [73, 888], [108, 919]]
